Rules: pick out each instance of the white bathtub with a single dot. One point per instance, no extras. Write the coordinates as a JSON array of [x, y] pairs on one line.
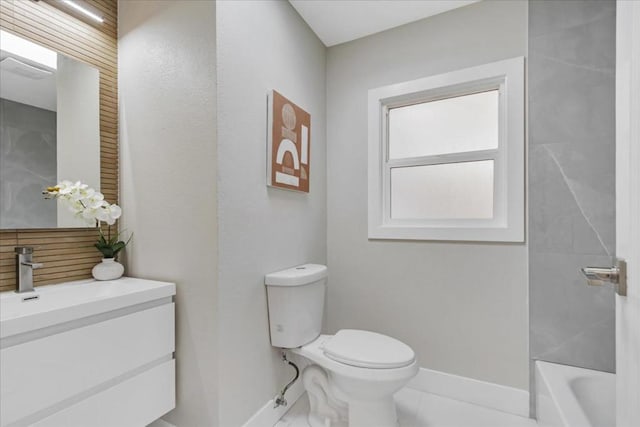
[[567, 396]]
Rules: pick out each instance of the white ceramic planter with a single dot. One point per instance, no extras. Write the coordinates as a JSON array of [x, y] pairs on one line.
[[108, 269]]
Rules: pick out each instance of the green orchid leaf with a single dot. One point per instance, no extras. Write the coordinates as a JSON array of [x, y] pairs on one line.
[[109, 245]]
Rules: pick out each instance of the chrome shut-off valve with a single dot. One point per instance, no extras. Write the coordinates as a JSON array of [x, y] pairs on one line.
[[280, 400]]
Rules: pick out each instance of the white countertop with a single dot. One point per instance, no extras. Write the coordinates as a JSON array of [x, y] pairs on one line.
[[74, 300]]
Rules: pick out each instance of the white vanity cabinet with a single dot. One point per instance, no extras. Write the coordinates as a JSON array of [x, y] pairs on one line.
[[87, 354]]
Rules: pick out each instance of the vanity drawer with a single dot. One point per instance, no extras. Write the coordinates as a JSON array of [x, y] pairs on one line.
[[135, 402], [43, 376]]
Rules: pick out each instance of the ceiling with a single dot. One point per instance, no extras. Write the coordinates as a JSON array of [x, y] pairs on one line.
[[339, 21]]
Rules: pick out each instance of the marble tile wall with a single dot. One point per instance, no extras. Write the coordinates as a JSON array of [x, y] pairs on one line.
[[27, 165], [571, 67]]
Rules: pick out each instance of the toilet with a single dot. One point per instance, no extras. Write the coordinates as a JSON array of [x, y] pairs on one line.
[[354, 374]]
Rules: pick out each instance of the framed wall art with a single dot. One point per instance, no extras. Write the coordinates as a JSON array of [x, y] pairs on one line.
[[288, 144]]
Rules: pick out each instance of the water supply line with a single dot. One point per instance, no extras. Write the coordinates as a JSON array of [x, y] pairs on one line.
[[280, 399]]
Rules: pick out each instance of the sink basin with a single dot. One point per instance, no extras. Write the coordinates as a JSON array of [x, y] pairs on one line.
[[61, 303]]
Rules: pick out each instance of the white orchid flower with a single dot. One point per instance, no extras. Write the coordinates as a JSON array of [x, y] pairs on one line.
[[85, 202], [95, 201], [109, 213], [116, 211]]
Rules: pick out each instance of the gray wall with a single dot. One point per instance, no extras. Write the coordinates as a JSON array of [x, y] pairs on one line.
[[262, 45], [461, 306], [571, 179], [167, 78], [27, 165]]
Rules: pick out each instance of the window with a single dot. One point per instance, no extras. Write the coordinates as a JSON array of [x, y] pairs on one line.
[[446, 156]]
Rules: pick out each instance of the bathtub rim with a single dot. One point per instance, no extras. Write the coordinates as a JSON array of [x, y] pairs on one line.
[[555, 379]]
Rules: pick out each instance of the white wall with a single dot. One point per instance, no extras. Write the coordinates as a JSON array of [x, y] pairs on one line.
[[628, 211], [78, 124], [262, 45], [461, 306], [167, 77]]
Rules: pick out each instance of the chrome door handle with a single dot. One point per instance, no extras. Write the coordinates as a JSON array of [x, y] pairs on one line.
[[617, 275]]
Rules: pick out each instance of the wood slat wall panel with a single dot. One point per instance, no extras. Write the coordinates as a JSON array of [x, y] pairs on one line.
[[68, 254], [7, 263], [34, 29], [67, 27]]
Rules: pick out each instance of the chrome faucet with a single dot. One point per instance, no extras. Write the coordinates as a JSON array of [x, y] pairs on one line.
[[24, 269]]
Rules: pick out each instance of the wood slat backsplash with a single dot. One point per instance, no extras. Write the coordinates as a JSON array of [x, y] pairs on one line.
[[68, 254]]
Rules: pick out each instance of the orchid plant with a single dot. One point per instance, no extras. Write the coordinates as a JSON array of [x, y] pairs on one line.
[[89, 205]]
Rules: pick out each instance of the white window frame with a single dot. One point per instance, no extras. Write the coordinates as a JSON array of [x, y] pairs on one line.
[[508, 222]]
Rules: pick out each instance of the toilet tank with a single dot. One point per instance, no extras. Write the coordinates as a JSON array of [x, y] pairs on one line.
[[296, 304]]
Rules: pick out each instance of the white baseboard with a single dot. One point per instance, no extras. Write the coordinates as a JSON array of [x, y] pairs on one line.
[[160, 423], [481, 393], [489, 395], [268, 416]]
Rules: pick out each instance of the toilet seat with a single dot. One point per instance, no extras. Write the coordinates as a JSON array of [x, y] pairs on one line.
[[314, 352], [364, 349]]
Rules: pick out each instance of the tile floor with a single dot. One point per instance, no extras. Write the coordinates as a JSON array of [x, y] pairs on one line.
[[419, 409]]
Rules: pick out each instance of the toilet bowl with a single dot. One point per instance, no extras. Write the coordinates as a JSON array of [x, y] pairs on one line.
[[363, 381], [354, 373]]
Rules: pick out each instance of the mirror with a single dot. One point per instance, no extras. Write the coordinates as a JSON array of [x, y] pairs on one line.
[[49, 131]]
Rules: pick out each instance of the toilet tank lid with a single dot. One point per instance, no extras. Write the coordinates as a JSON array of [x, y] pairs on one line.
[[297, 276]]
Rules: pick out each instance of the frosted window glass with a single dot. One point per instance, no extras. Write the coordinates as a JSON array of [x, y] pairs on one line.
[[443, 191], [452, 125]]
